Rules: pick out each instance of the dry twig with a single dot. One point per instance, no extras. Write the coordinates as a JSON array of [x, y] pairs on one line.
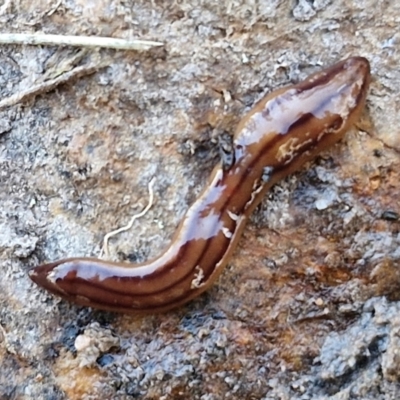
[[79, 41], [50, 84]]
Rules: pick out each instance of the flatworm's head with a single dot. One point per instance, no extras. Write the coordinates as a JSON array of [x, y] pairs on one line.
[[341, 88], [294, 123]]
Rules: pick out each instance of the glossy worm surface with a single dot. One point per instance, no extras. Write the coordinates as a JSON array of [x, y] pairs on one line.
[[280, 133]]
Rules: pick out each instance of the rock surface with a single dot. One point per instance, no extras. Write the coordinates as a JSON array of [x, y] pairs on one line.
[[308, 307]]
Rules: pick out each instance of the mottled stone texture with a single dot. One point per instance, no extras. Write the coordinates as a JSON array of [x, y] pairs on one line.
[[309, 305]]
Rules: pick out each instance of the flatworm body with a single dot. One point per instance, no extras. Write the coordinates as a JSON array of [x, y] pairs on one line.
[[285, 129]]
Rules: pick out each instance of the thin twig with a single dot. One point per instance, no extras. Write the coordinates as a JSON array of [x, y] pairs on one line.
[[105, 250], [50, 84], [54, 9], [79, 41], [5, 7]]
